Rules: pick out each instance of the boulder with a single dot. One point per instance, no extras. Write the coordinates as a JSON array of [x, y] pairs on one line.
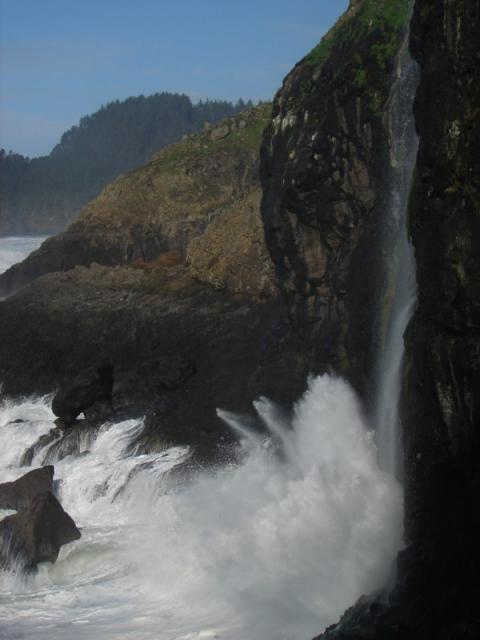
[[90, 386], [20, 493], [36, 533], [220, 132]]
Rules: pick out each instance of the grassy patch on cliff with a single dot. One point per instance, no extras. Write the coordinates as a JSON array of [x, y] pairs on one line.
[[364, 43], [243, 132], [386, 16]]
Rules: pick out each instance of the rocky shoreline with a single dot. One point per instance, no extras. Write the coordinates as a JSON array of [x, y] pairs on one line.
[[221, 305], [39, 528]]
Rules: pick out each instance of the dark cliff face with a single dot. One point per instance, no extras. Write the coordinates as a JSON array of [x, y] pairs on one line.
[[443, 345], [442, 407], [323, 166]]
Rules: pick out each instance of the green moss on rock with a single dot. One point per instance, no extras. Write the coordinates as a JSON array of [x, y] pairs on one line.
[[241, 132], [386, 16]]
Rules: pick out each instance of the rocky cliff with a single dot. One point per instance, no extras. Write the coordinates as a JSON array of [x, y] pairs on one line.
[[198, 198], [323, 200], [324, 160], [442, 410], [182, 347]]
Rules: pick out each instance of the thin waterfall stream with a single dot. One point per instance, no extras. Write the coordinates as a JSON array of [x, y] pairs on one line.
[[400, 297]]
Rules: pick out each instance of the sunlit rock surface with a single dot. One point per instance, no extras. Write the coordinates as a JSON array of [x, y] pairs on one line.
[[197, 200], [324, 169]]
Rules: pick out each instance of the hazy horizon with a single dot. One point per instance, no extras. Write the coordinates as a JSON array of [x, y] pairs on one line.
[[59, 63]]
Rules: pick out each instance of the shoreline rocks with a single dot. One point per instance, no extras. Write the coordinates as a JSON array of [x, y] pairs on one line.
[[35, 534], [169, 338], [19, 493], [39, 528]]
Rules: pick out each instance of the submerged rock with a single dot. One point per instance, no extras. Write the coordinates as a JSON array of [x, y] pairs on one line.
[[43, 441], [36, 533], [58, 443], [20, 493]]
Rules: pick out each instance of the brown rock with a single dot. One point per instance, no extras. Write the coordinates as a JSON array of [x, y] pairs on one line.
[[36, 534], [158, 208], [20, 493], [220, 132]]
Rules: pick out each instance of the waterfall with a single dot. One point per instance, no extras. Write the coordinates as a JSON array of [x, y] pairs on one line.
[[400, 296]]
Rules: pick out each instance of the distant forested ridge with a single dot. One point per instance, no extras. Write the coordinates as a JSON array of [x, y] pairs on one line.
[[41, 195]]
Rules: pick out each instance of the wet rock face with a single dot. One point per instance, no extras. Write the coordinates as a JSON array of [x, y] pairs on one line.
[[442, 412], [91, 386], [20, 493], [41, 526], [323, 162], [443, 342]]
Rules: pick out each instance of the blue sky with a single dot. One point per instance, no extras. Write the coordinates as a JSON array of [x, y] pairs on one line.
[[62, 59]]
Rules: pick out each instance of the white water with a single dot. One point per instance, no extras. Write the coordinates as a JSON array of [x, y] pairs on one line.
[[13, 250], [276, 547], [402, 293]]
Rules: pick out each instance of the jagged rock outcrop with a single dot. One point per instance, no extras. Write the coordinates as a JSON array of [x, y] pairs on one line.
[[202, 194], [19, 493], [35, 534], [324, 160], [230, 254]]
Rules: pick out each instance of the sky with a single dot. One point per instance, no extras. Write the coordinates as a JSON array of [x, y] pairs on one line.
[[63, 59]]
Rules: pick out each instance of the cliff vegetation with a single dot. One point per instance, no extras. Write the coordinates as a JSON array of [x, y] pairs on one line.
[[39, 196]]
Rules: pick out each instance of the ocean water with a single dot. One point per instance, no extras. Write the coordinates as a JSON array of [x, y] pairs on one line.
[[276, 546], [13, 250]]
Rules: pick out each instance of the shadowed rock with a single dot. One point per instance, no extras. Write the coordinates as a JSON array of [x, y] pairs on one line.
[[90, 386], [20, 493], [36, 534]]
